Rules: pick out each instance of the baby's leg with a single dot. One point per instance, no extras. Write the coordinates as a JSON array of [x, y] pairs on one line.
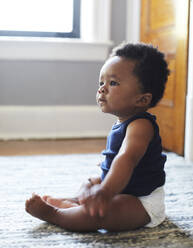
[[61, 202], [81, 221], [125, 213]]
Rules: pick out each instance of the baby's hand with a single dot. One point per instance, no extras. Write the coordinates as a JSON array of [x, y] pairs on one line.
[[96, 201]]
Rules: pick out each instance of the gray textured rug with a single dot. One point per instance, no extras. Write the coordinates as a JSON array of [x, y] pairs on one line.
[[61, 175]]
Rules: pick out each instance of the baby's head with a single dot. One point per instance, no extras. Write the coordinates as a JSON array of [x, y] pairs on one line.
[[151, 69]]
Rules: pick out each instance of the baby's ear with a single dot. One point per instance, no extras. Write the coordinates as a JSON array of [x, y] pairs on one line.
[[144, 100]]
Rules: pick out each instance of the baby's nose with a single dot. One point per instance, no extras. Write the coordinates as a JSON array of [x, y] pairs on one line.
[[102, 89]]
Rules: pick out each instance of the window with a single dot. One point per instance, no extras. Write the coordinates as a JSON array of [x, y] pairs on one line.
[[40, 18], [93, 44]]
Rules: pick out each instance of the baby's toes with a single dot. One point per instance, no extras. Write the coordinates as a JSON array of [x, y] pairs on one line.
[[46, 197], [31, 201], [35, 198], [28, 204]]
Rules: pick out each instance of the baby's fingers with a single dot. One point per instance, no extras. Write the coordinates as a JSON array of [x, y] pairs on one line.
[[92, 211], [89, 209], [96, 209], [103, 210]]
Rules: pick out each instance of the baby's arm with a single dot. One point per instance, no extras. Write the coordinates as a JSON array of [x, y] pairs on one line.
[[138, 136]]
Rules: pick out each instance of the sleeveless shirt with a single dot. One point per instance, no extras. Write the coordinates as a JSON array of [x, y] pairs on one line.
[[149, 173]]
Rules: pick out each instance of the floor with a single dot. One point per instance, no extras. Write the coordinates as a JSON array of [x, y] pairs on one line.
[[61, 175], [55, 174], [36, 147]]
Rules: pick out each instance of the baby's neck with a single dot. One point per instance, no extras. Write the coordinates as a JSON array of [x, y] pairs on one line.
[[121, 119]]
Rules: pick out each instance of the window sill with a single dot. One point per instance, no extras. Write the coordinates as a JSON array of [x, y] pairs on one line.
[[52, 49]]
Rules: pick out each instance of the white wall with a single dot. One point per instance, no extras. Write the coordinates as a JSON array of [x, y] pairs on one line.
[[46, 94]]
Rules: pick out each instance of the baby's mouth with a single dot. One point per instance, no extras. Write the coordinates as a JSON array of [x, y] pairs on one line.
[[101, 99]]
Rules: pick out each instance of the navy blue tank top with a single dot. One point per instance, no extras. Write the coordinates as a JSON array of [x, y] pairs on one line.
[[149, 172]]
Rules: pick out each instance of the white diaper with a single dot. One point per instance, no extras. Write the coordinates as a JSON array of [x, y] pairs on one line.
[[154, 204]]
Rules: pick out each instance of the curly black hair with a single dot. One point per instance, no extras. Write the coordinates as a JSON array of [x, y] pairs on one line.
[[151, 67]]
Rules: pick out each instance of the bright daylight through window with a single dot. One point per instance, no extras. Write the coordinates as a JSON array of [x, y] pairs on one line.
[[36, 18], [55, 29]]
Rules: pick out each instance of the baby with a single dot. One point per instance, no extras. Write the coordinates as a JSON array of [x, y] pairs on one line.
[[129, 194]]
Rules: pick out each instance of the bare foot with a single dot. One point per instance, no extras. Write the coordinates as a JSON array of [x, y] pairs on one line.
[[38, 208], [60, 202]]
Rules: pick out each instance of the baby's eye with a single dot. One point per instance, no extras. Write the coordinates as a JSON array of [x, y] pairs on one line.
[[101, 83], [113, 83]]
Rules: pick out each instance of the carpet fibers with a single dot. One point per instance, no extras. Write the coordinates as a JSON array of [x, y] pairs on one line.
[[61, 175]]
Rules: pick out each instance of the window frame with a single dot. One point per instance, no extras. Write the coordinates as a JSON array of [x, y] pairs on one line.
[[93, 44], [74, 34]]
